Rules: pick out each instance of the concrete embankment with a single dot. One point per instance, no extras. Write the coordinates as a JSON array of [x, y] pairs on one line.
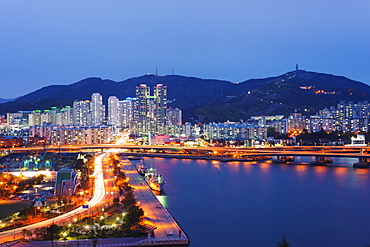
[[198, 157], [166, 230]]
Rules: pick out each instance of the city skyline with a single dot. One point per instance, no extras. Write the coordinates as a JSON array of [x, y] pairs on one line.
[[60, 43]]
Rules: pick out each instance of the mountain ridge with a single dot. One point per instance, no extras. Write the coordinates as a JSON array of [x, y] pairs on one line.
[[210, 99]]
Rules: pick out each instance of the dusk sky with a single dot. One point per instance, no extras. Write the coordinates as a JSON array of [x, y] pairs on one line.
[[61, 42]]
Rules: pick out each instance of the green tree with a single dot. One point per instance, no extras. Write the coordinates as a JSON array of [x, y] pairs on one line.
[[95, 242], [283, 242], [52, 231], [40, 232], [271, 132], [133, 216], [80, 164], [128, 200], [26, 233]]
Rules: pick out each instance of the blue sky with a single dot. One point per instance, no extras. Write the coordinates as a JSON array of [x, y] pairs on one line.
[[49, 42]]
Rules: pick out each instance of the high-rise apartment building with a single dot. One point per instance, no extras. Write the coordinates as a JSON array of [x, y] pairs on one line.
[[125, 111], [160, 108], [46, 117], [142, 112], [81, 112], [97, 109], [174, 116], [150, 112], [35, 118], [67, 115], [54, 116], [113, 107]]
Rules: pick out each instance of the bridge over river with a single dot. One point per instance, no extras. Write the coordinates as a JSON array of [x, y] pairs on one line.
[[321, 153]]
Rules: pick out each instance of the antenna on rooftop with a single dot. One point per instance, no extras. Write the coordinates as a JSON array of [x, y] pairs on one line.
[[156, 70], [173, 70]]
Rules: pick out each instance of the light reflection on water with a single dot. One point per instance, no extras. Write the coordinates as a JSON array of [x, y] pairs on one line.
[[300, 169], [219, 202], [163, 200]]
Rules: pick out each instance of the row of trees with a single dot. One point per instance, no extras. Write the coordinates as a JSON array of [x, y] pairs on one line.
[[108, 223], [86, 168], [134, 213], [10, 184]]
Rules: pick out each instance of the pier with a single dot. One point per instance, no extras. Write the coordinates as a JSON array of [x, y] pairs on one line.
[[166, 230]]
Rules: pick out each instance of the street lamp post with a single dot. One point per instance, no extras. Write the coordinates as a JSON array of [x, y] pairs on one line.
[[64, 237]]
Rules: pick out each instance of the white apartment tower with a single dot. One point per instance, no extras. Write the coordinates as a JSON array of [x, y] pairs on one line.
[[97, 109], [68, 115], [125, 112], [160, 104], [81, 112], [160, 108], [113, 107], [142, 108], [150, 112], [35, 118], [174, 116]]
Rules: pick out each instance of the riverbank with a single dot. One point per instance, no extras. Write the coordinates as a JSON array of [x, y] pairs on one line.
[[166, 231], [222, 158]]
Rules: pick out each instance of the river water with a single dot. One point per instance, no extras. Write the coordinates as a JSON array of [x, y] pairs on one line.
[[255, 204]]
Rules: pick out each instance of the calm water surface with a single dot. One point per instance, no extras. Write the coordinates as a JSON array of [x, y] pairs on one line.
[[254, 204]]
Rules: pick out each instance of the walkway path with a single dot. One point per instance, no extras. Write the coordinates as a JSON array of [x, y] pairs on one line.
[[167, 229]]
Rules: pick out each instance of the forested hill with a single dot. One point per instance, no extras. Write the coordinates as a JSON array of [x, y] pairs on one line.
[[211, 100]]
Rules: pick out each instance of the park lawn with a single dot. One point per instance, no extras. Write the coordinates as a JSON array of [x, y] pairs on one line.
[[8, 208]]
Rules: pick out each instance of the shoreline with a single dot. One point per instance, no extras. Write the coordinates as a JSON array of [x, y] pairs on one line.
[[196, 157], [225, 159]]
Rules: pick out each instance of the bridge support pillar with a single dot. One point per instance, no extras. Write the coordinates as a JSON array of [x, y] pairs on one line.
[[321, 160]]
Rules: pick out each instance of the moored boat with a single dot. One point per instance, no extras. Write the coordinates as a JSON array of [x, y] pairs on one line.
[[134, 158], [361, 165], [154, 180], [319, 163], [141, 167]]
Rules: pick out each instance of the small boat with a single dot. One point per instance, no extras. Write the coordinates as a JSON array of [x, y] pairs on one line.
[[227, 159], [283, 159], [280, 160], [154, 180], [321, 161], [156, 183], [141, 167], [134, 158], [361, 165], [318, 163], [289, 159]]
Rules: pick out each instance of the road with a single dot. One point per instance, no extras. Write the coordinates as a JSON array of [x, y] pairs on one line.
[[100, 197], [357, 151]]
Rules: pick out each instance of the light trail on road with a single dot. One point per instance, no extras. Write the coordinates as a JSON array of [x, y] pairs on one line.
[[98, 197]]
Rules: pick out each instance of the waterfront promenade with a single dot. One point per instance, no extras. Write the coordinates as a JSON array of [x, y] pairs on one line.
[[166, 229]]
